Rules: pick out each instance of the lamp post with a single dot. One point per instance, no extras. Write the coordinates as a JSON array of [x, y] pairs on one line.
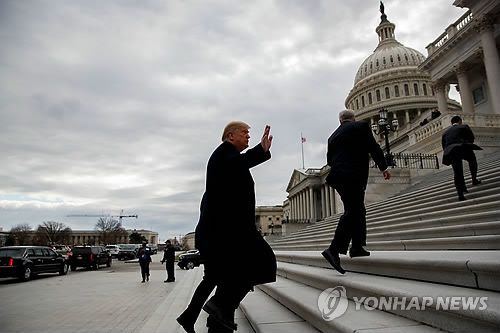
[[272, 228], [384, 127]]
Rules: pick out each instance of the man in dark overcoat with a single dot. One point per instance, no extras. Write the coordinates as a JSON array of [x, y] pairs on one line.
[[458, 144], [233, 250], [169, 258], [348, 155]]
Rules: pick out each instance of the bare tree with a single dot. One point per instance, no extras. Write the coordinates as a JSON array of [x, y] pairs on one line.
[[52, 232], [110, 229], [20, 235]]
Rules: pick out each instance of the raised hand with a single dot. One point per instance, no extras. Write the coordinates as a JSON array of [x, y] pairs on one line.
[[266, 139]]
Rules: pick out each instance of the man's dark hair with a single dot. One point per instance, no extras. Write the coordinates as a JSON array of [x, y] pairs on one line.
[[455, 120]]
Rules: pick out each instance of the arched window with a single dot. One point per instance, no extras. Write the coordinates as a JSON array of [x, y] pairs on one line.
[[384, 61], [396, 91], [369, 98], [371, 65], [376, 63], [399, 58], [415, 88], [387, 95], [424, 87], [406, 58], [357, 104], [392, 59], [407, 90], [363, 101], [378, 95]]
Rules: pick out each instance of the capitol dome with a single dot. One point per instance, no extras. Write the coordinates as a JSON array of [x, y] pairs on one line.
[[390, 78]]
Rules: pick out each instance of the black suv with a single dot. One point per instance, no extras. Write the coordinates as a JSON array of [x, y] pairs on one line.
[[89, 257], [25, 261], [190, 259], [127, 251]]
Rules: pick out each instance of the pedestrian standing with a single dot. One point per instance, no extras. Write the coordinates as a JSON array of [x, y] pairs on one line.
[[144, 255], [169, 259]]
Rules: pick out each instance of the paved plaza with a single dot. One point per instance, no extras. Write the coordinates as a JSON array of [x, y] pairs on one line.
[[109, 300]]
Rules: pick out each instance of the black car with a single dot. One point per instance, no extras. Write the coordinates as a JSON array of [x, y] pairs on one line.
[[25, 261], [190, 259], [89, 257], [127, 251]]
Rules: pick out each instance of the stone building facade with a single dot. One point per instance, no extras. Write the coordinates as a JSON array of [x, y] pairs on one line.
[[269, 219], [411, 86]]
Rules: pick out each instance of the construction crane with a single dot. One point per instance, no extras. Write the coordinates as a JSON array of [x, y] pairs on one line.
[[105, 215]]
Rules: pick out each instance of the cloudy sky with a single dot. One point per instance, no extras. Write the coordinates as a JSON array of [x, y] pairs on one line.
[[111, 105]]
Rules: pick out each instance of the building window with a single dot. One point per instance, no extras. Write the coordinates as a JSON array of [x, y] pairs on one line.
[[392, 59], [384, 61], [369, 98], [415, 87], [396, 91], [406, 58], [363, 101], [407, 90], [424, 87], [376, 63], [378, 95], [357, 104], [371, 65], [399, 58], [387, 95], [478, 95]]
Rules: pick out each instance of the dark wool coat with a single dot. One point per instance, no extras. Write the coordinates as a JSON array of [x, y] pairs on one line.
[[226, 235], [348, 155], [455, 140]]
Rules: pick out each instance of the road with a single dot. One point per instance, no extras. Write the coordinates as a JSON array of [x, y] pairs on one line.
[[107, 300]]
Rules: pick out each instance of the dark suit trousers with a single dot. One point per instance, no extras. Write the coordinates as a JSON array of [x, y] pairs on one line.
[[458, 168], [144, 269], [170, 269], [200, 296], [352, 224]]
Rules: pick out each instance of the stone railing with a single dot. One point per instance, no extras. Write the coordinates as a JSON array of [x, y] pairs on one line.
[[451, 31]]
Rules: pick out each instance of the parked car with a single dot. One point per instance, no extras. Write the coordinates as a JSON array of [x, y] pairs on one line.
[[89, 257], [24, 262], [190, 259], [113, 249], [127, 251], [154, 249], [64, 250]]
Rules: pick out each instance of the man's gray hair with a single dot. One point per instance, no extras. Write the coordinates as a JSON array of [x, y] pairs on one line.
[[346, 115]]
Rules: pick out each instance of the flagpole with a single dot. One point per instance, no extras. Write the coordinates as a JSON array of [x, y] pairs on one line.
[[302, 143]]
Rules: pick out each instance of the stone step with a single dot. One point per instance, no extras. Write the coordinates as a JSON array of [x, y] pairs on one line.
[[477, 201], [303, 301], [268, 316], [164, 316], [364, 285], [435, 226], [482, 242], [472, 269]]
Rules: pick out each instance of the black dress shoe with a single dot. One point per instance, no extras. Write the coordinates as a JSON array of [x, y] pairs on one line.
[[219, 316], [187, 324], [333, 259], [358, 252], [476, 182], [461, 197]]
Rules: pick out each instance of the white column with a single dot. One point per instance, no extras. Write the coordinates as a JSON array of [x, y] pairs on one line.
[[312, 205], [491, 61], [323, 201], [327, 201], [440, 88], [301, 205], [308, 207], [407, 115], [465, 91], [332, 201]]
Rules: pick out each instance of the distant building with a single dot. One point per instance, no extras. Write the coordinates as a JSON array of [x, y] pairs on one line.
[[80, 237], [269, 219], [3, 236]]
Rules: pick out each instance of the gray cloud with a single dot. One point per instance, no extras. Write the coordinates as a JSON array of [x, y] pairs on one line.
[[118, 104]]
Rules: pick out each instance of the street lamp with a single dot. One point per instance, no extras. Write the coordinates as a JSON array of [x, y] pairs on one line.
[[272, 228], [384, 127]]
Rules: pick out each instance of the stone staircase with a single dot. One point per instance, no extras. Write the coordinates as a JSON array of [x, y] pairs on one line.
[[426, 247]]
